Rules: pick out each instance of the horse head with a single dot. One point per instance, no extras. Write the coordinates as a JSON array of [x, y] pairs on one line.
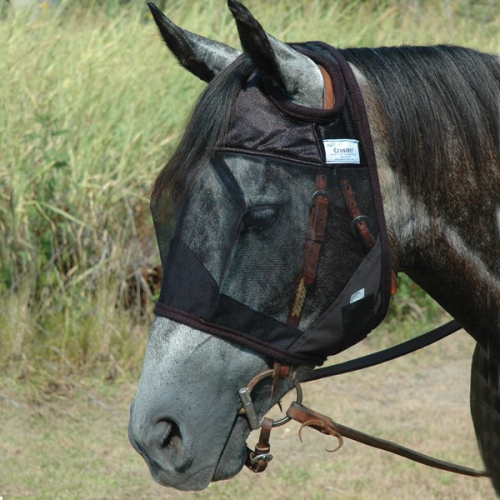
[[184, 419]]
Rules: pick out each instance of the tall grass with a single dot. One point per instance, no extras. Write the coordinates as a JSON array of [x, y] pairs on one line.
[[91, 105]]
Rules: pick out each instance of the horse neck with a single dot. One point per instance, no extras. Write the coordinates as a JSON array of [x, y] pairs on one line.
[[448, 242]]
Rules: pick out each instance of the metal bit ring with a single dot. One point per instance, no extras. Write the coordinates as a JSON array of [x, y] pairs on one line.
[[248, 407]]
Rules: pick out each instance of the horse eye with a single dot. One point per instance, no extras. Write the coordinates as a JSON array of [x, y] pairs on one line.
[[259, 218]]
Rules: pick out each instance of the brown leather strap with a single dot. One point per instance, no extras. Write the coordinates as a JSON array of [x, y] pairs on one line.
[[326, 425], [352, 206], [315, 237], [258, 459], [281, 371], [394, 283], [361, 225], [315, 229], [328, 92]]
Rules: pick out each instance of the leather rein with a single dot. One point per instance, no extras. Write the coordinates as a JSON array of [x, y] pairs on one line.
[[258, 459]]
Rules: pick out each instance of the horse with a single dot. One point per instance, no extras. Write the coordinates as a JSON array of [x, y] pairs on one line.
[[433, 116]]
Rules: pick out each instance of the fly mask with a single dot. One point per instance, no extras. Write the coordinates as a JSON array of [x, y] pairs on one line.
[[337, 279]]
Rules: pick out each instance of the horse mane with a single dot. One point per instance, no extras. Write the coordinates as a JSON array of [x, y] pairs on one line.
[[205, 130], [441, 106]]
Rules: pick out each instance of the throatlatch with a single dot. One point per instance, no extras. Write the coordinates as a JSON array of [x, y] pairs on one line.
[[298, 263]]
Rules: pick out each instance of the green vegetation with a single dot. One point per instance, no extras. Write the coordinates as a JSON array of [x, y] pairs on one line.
[[91, 105]]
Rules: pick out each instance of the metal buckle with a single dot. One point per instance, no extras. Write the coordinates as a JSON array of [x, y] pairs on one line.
[[319, 192], [359, 218], [248, 408], [267, 457]]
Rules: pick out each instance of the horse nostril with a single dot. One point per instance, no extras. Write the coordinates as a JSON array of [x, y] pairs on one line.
[[167, 435], [161, 444], [166, 428], [166, 446]]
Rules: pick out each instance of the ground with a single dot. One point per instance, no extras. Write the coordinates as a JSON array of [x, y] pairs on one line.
[[71, 442]]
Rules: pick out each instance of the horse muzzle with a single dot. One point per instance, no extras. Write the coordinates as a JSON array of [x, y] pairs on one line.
[[164, 447]]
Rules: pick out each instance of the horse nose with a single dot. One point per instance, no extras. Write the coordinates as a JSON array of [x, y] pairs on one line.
[[161, 444]]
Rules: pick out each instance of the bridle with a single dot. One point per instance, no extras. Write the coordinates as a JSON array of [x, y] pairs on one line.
[[258, 459]]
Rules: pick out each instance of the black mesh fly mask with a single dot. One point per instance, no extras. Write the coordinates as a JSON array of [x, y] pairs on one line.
[[280, 243]]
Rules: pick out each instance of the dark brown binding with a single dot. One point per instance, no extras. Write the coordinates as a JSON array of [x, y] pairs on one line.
[[326, 425]]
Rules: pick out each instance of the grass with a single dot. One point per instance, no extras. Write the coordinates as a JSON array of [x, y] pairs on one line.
[[91, 106], [70, 442]]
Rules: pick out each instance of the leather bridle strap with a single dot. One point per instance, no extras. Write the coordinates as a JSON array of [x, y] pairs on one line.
[[315, 237], [258, 459], [316, 227], [325, 425], [329, 91], [359, 221]]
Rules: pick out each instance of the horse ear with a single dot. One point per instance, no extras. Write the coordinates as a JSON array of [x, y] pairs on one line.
[[297, 75], [201, 56]]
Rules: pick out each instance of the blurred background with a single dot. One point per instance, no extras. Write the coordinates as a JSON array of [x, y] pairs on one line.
[[91, 106]]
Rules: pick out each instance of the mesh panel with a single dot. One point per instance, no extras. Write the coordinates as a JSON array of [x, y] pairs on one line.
[[238, 253]]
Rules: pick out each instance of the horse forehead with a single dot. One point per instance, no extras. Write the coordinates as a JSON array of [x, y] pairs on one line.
[[257, 176]]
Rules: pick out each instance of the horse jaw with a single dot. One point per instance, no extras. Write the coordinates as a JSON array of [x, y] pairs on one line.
[[184, 418]]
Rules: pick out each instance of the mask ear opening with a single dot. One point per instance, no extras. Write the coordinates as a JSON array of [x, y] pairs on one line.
[[293, 74]]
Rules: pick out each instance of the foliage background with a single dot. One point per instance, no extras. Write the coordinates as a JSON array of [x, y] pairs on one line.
[[91, 105]]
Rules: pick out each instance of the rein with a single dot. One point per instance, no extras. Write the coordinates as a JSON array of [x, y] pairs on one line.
[[258, 459]]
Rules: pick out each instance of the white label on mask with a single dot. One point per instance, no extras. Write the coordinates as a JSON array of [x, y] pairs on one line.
[[360, 294], [341, 150]]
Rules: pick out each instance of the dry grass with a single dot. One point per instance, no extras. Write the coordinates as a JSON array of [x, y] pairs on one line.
[[72, 442]]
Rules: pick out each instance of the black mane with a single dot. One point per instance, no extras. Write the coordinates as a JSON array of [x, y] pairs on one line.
[[205, 130], [429, 95]]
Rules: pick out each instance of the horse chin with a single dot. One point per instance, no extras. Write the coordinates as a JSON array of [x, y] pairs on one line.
[[234, 454], [193, 483]]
